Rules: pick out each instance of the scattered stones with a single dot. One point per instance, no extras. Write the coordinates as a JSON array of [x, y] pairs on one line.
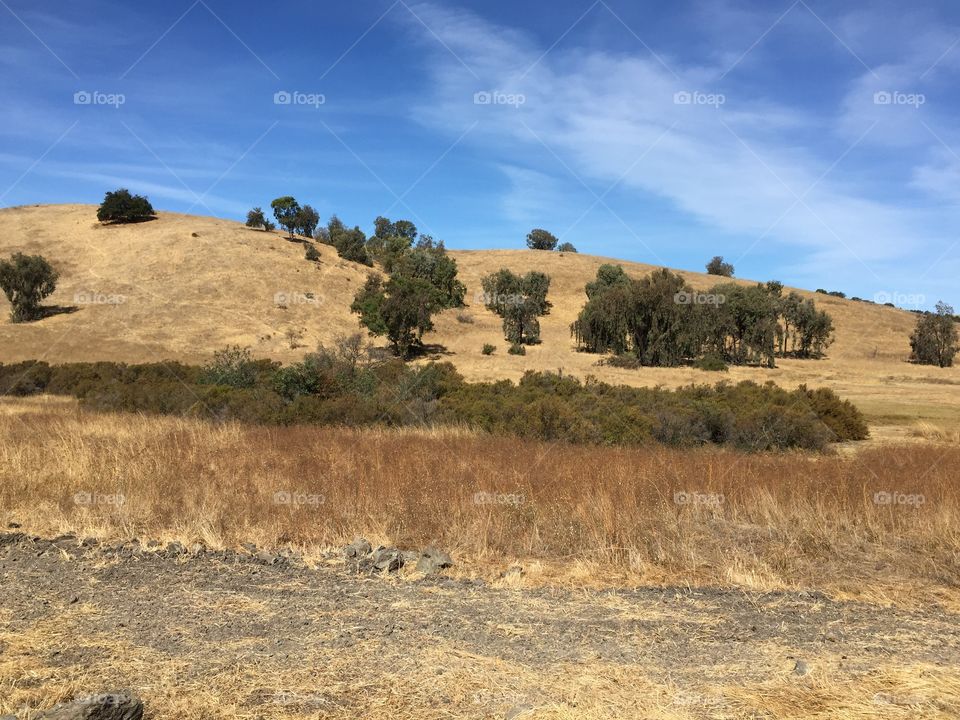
[[433, 561], [385, 560], [107, 706], [267, 558], [176, 549], [358, 549]]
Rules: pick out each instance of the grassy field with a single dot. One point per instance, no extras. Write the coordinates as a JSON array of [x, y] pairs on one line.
[[650, 515], [190, 285]]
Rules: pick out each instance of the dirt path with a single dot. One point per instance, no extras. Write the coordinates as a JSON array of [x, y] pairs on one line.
[[228, 634]]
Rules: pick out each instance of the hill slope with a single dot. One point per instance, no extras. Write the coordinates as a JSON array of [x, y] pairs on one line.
[[183, 286]]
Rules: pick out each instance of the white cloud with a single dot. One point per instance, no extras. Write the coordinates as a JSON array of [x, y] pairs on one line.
[[736, 167]]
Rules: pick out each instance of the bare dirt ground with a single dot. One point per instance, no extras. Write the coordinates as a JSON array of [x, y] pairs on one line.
[[228, 634]]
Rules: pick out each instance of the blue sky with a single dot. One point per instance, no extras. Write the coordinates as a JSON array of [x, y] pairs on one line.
[[811, 142]]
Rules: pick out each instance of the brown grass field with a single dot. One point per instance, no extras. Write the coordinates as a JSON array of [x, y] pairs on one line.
[[657, 583], [202, 640], [791, 520]]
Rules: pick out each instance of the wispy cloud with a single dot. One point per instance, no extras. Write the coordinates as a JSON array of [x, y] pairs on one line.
[[738, 164]]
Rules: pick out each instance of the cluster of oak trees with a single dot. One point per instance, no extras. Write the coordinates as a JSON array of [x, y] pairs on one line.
[[660, 320]]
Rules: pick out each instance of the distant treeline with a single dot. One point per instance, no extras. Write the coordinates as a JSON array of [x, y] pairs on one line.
[[350, 385], [660, 320]]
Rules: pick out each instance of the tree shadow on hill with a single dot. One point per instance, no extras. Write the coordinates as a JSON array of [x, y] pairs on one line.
[[431, 351], [132, 221], [51, 310]]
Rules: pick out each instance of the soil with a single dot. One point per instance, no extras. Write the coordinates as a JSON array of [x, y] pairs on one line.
[[285, 613]]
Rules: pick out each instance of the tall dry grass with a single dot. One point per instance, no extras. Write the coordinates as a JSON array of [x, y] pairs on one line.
[[599, 514]]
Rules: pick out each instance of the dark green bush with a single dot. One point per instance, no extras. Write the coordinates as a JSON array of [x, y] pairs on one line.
[[488, 349], [347, 385], [712, 363], [120, 206]]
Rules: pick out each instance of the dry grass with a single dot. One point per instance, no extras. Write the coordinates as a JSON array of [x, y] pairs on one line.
[[588, 515], [188, 296]]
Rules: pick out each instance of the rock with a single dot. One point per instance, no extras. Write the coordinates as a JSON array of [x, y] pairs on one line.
[[800, 668], [197, 549], [266, 558], [249, 547], [13, 526], [176, 548], [433, 561], [107, 706], [358, 549], [386, 560]]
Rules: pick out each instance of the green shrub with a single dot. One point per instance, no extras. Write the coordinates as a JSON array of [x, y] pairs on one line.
[[346, 384], [517, 349], [120, 206], [488, 349], [312, 254], [26, 280], [232, 366], [711, 362]]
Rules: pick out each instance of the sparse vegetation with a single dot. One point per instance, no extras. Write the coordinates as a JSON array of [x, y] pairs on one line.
[[350, 244], [717, 266], [488, 349], [662, 321], [935, 339], [311, 253], [402, 309], [520, 301], [566, 247], [540, 239], [287, 212], [26, 280], [306, 221], [347, 385], [257, 220], [120, 206]]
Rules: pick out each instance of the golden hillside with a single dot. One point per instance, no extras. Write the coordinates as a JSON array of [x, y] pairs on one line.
[[182, 286]]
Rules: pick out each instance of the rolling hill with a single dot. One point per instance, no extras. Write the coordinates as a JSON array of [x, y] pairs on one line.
[[181, 286]]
